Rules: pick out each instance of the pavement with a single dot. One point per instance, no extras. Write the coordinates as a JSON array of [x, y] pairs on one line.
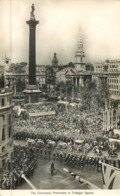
[[42, 178]]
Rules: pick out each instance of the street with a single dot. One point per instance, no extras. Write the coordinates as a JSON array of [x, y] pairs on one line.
[[42, 178]]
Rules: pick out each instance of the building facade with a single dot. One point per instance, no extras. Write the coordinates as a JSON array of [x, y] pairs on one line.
[[41, 75], [111, 116], [6, 125], [108, 72], [46, 74]]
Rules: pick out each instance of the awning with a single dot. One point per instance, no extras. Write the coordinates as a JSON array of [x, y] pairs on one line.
[[42, 113], [63, 102]]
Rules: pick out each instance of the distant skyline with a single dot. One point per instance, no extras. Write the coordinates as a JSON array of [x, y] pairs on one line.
[[58, 29]]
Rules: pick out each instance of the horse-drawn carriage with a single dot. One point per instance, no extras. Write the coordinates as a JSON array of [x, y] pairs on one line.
[[34, 142]]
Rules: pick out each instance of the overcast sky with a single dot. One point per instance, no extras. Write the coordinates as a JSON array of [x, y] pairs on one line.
[[58, 29]]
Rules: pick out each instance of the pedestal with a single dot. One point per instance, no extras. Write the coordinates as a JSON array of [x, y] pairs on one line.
[[32, 94]]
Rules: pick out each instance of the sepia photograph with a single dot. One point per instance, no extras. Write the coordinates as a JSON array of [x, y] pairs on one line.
[[59, 97]]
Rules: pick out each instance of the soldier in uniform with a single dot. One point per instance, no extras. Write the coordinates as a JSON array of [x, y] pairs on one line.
[[52, 168]]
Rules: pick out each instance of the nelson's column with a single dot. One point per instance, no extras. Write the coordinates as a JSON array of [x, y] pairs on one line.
[[32, 93]]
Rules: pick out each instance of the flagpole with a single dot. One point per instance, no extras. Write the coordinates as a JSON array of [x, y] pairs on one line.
[[28, 182]]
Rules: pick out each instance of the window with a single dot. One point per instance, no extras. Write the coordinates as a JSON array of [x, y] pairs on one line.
[[3, 149], [3, 133], [10, 100], [9, 119], [2, 102], [3, 117], [10, 131]]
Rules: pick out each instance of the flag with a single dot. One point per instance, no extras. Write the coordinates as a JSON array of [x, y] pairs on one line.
[[111, 176]]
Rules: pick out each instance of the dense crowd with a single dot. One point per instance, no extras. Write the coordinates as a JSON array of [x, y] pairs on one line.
[[113, 135], [24, 161], [67, 121], [68, 125]]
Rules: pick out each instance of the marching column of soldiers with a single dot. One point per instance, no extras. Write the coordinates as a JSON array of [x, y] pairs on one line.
[[24, 135], [81, 161]]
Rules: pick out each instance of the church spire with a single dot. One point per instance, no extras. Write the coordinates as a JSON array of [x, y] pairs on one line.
[[79, 55]]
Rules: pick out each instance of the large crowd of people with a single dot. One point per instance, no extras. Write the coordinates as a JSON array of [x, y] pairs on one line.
[[67, 121], [74, 133], [24, 161]]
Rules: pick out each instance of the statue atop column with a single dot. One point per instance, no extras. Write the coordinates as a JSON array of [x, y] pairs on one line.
[[32, 12], [33, 9]]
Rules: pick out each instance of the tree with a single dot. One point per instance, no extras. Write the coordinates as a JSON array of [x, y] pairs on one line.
[[103, 94], [18, 67], [70, 64], [88, 92], [20, 84]]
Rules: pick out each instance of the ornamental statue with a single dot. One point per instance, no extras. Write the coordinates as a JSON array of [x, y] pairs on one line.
[[33, 9]]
